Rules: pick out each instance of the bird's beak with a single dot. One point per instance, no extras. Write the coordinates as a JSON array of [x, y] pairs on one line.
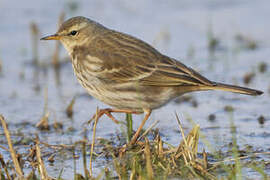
[[51, 37]]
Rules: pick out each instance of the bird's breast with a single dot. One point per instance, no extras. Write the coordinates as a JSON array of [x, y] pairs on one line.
[[83, 72]]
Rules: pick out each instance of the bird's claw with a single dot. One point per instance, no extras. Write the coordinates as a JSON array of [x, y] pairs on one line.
[[101, 113]]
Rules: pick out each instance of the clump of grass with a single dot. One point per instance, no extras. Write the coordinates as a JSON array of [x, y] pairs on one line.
[[150, 159], [43, 124]]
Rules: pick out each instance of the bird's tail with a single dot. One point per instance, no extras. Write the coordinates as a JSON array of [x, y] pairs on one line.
[[232, 88]]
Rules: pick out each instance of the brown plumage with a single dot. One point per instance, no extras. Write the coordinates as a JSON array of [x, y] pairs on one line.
[[127, 73]]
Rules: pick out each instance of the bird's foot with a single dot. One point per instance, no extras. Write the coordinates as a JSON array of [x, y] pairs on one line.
[[108, 112], [101, 112]]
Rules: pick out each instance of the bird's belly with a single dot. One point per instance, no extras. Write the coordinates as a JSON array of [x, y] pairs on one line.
[[128, 96], [124, 95]]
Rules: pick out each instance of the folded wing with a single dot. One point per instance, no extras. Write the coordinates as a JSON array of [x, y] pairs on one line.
[[125, 58]]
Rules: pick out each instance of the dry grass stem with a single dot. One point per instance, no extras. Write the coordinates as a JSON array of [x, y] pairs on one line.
[[147, 154], [3, 147], [43, 124], [55, 59], [11, 149], [93, 143], [205, 160], [148, 129], [86, 172], [133, 171], [182, 132], [160, 146], [69, 110], [189, 146], [41, 166], [4, 166], [35, 41]]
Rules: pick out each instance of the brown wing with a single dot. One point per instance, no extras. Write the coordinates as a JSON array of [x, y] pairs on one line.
[[126, 59], [170, 72]]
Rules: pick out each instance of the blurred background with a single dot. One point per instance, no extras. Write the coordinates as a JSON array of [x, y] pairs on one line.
[[225, 40]]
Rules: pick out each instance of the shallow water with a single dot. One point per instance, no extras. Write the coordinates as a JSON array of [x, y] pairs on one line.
[[177, 28]]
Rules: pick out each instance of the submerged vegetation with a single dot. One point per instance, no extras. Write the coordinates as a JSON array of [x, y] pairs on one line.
[[148, 159]]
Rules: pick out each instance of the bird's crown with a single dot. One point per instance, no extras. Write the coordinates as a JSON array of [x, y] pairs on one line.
[[75, 24]]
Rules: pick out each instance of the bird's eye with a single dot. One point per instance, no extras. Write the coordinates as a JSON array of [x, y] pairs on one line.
[[73, 33]]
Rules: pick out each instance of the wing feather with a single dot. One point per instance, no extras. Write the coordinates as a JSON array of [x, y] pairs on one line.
[[125, 58]]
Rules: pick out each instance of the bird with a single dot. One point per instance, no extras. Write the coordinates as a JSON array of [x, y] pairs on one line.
[[127, 73]]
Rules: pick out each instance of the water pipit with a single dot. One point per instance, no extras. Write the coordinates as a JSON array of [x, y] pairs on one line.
[[127, 73]]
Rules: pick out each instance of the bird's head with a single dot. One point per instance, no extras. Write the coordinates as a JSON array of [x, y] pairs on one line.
[[75, 32]]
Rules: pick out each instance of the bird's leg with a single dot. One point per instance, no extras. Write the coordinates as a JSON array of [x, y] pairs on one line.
[[136, 135], [108, 112], [123, 149]]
